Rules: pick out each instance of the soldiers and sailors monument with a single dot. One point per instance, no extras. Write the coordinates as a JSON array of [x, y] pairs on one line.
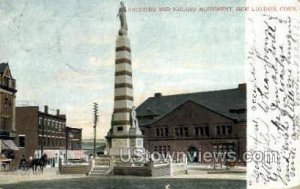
[[125, 134]]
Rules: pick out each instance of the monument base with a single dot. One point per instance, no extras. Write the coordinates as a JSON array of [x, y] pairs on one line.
[[119, 146], [125, 146]]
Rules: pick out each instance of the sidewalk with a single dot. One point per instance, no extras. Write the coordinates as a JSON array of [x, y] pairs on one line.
[[49, 174]]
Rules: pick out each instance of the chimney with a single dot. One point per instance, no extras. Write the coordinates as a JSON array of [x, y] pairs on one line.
[[57, 112], [242, 87], [157, 95], [46, 109]]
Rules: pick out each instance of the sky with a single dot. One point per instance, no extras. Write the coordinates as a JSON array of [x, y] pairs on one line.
[[62, 54]]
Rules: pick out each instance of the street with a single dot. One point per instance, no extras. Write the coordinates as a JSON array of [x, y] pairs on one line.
[[129, 183], [51, 180]]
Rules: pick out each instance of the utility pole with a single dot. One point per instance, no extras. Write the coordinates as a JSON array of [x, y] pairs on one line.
[[96, 116]]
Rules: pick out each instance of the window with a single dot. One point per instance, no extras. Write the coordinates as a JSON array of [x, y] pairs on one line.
[[22, 141], [224, 147], [218, 130], [229, 129], [223, 130], [6, 102], [206, 131], [166, 132], [164, 149], [159, 149], [162, 132], [202, 131], [157, 132], [168, 148], [63, 126], [186, 131], [45, 124], [40, 141], [182, 131], [40, 123], [119, 128]]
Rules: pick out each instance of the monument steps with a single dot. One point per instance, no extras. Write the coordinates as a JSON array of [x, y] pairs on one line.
[[101, 167]]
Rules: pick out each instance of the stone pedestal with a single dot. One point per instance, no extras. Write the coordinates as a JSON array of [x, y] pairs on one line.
[[118, 144]]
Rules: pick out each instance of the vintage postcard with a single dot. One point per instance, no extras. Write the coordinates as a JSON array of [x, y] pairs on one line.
[[195, 94]]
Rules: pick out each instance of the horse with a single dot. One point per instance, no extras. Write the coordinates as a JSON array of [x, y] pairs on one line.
[[39, 163], [23, 167]]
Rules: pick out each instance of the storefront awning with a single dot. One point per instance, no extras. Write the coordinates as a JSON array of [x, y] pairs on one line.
[[9, 144], [72, 154], [51, 153]]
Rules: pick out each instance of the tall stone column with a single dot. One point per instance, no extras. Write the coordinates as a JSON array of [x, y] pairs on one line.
[[123, 99], [124, 133]]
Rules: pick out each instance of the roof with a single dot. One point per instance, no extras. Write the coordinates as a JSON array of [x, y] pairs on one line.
[[73, 128], [3, 67], [225, 102]]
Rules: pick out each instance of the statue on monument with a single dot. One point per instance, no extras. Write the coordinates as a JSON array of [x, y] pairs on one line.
[[135, 129], [135, 123], [122, 15]]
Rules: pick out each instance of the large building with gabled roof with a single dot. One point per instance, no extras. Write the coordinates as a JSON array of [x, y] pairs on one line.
[[198, 122]]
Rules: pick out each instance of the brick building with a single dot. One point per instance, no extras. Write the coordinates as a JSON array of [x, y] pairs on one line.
[[39, 132], [213, 121], [73, 138], [74, 143], [7, 115]]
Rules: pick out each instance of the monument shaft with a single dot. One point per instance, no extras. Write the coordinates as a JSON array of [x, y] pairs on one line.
[[123, 99], [125, 133]]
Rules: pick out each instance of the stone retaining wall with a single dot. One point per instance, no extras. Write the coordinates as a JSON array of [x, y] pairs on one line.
[[134, 171], [74, 169]]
